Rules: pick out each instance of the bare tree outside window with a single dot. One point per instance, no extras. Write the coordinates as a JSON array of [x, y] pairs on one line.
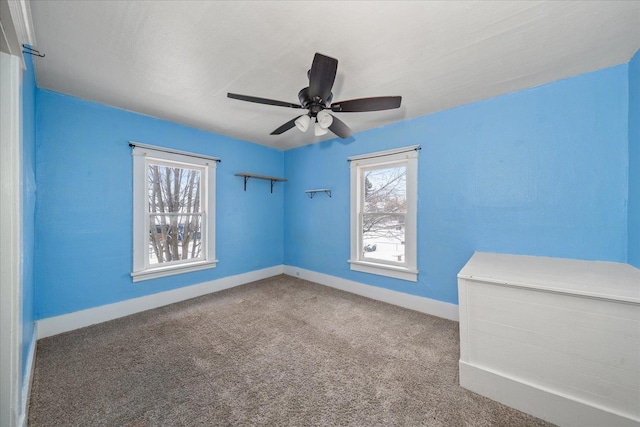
[[175, 217], [383, 213]]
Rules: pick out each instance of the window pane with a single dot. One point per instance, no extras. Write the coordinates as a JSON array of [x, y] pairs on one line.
[[383, 237], [174, 238], [385, 190], [173, 189], [385, 206]]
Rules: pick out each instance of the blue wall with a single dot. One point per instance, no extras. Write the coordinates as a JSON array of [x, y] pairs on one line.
[[83, 249], [634, 161], [28, 205], [539, 172]]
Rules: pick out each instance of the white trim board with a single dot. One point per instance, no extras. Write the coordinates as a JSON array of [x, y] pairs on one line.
[[28, 379], [16, 27], [542, 403], [412, 302], [10, 239], [22, 22], [91, 316]]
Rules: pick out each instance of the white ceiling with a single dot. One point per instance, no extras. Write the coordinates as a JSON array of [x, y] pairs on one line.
[[177, 60]]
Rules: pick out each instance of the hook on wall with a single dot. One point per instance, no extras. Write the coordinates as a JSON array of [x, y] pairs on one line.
[[31, 51]]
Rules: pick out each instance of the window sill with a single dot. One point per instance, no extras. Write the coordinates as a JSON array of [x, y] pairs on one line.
[[155, 273], [393, 271]]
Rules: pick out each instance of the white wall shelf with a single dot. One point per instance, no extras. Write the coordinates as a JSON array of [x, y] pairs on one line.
[[312, 193], [272, 179]]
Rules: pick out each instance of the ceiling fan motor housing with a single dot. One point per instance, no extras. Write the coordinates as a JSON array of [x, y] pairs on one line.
[[314, 106]]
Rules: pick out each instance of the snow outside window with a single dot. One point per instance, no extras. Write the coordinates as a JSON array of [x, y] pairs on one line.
[[173, 213], [384, 213]]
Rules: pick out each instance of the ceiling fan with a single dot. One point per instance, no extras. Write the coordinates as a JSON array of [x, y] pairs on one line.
[[317, 98]]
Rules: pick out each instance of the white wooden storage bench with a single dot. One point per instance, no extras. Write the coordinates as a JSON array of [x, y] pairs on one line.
[[556, 338]]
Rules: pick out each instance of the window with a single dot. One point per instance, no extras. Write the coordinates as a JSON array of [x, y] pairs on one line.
[[384, 204], [173, 212]]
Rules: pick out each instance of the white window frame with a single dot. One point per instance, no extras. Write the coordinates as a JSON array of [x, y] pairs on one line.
[[143, 155], [405, 156]]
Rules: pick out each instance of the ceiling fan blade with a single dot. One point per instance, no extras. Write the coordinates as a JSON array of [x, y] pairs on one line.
[[340, 128], [367, 104], [285, 127], [321, 76], [263, 100]]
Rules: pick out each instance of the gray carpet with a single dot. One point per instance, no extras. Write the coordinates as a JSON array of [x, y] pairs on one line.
[[280, 351]]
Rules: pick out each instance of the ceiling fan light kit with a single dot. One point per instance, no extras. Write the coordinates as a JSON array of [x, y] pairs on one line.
[[302, 123], [318, 130], [324, 119], [317, 98]]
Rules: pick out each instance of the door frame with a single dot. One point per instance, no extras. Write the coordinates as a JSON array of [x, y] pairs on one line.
[[10, 239]]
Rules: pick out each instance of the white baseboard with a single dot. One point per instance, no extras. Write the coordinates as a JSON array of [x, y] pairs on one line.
[[28, 380], [539, 402], [79, 319], [424, 305]]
